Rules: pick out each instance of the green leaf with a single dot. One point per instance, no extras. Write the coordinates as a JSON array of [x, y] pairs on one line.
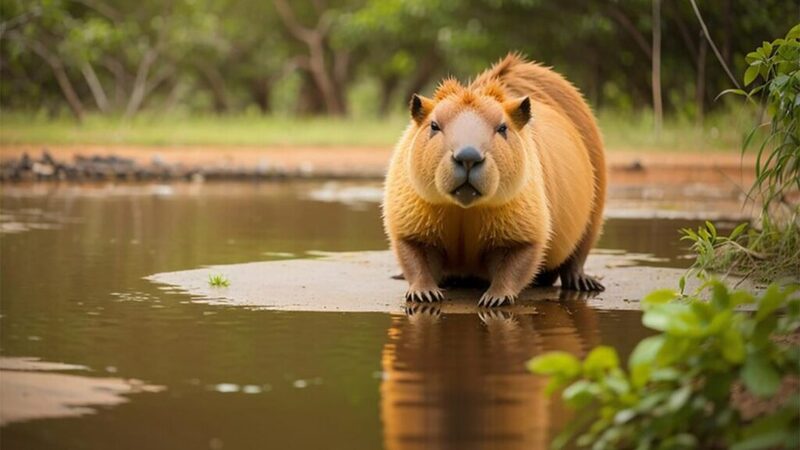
[[759, 376], [770, 301], [733, 346], [741, 298], [738, 230], [762, 331], [580, 393], [680, 441], [766, 440], [766, 49], [679, 398], [624, 416], [657, 319], [730, 91], [794, 33], [666, 374], [770, 431], [750, 74], [555, 363], [600, 359], [659, 297], [618, 383], [711, 228], [646, 351]]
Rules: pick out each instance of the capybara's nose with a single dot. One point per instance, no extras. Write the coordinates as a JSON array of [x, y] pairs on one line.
[[468, 157]]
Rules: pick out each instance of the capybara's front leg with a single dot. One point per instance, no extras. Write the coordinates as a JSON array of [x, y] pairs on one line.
[[422, 266], [510, 270]]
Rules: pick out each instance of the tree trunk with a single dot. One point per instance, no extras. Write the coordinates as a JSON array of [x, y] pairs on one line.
[[658, 111], [388, 88], [700, 84], [261, 92], [316, 41], [216, 84], [95, 87], [57, 67], [173, 97], [140, 83], [322, 78], [309, 101], [425, 71], [638, 38], [120, 79]]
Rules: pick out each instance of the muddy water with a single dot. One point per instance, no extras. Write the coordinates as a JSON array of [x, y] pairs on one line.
[[72, 263]]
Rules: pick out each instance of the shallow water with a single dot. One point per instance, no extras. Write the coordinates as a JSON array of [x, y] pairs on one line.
[[72, 291]]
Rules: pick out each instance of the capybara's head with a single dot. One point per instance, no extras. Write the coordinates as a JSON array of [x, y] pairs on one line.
[[468, 147]]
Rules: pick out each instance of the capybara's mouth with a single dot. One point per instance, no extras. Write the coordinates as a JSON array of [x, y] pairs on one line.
[[466, 194]]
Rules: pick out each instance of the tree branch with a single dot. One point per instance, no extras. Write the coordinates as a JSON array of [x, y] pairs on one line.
[[288, 18], [631, 29]]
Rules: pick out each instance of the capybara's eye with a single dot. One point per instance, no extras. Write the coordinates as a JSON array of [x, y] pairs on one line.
[[502, 129], [435, 127]]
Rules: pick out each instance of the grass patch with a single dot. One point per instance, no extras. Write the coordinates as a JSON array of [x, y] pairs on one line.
[[218, 281], [620, 131], [213, 131], [765, 253]]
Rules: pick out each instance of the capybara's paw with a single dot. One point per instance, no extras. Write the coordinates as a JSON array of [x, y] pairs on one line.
[[432, 294], [581, 282], [490, 299]]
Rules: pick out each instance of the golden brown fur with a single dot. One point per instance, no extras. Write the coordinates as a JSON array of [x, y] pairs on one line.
[[540, 188]]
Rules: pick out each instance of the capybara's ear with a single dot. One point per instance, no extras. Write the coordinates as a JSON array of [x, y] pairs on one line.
[[519, 110], [420, 107]]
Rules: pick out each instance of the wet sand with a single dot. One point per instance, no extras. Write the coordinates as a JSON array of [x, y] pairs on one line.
[[30, 390], [362, 282]]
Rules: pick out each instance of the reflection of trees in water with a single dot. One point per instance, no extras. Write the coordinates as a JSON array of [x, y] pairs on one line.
[[459, 380]]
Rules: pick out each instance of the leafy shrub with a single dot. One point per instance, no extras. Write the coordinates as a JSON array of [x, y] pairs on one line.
[[767, 253], [677, 389], [770, 250], [778, 154]]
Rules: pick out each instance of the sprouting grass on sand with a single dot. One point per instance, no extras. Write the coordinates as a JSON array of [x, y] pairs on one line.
[[217, 280]]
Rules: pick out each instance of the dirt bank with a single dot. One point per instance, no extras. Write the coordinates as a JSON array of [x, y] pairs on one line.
[[123, 162]]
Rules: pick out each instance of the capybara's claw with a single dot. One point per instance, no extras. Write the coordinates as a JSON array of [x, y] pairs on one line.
[[424, 309], [424, 295], [491, 300], [581, 282]]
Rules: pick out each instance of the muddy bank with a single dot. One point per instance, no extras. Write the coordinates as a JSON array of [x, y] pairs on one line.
[[110, 163], [362, 282], [112, 167]]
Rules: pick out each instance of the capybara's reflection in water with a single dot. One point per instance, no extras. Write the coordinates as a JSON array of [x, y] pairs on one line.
[[459, 380]]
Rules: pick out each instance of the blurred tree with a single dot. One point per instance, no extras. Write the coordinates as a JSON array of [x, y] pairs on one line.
[[122, 56]]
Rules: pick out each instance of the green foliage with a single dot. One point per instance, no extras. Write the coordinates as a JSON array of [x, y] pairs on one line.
[[218, 280], [229, 56], [772, 250], [777, 63], [767, 253], [677, 388]]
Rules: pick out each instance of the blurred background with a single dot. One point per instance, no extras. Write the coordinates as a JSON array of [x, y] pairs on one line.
[[170, 72]]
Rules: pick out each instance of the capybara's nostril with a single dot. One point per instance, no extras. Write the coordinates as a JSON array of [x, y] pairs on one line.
[[468, 157]]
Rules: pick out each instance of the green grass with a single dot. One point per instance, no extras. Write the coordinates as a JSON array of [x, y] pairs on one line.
[[199, 131], [218, 281], [621, 132]]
